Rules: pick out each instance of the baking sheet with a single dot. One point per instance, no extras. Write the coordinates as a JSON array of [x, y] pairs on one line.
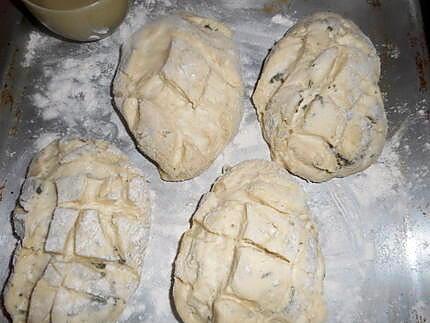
[[374, 226]]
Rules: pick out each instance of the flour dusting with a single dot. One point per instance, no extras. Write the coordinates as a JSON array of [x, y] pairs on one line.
[[44, 140], [36, 41], [74, 91], [283, 20]]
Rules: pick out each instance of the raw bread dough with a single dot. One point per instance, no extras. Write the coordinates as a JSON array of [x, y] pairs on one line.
[[318, 99], [252, 252], [179, 89], [83, 219]]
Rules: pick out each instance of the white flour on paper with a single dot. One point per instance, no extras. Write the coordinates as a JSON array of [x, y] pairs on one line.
[[73, 98]]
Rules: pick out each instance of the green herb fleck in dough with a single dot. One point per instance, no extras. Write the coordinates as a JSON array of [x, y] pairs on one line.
[[277, 77]]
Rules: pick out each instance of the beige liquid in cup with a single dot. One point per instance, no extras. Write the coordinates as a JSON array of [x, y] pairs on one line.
[[63, 4]]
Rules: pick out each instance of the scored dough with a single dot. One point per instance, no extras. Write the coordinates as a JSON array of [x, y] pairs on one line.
[[83, 220], [252, 252], [179, 89], [318, 99]]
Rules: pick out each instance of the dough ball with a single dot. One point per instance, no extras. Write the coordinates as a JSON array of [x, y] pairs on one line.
[[252, 253], [179, 89], [83, 218], [318, 99]]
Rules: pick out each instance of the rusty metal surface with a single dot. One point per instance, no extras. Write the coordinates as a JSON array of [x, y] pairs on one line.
[[396, 286]]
